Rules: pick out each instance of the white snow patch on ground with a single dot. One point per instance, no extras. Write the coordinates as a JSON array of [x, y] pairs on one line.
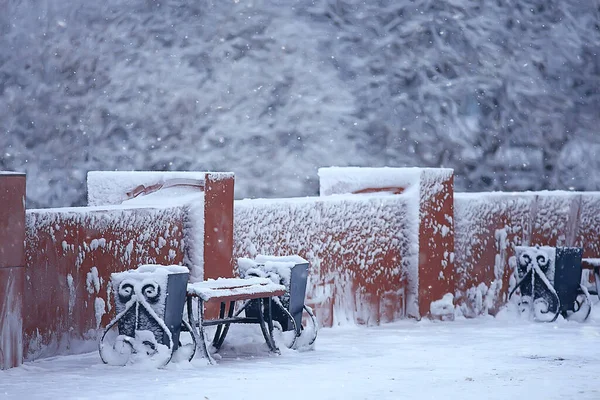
[[483, 358]]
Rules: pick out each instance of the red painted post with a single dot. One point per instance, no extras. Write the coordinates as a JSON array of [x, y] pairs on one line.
[[218, 225], [12, 268], [436, 236]]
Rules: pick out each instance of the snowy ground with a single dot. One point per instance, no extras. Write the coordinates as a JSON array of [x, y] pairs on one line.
[[466, 359]]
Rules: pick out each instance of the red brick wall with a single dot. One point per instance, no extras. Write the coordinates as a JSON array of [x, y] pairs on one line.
[[357, 248], [374, 257], [436, 237], [490, 225], [67, 248]]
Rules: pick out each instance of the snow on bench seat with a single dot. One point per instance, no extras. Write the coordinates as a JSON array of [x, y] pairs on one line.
[[233, 289], [590, 263]]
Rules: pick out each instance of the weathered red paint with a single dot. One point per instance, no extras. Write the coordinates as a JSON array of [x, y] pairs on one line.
[[499, 222], [12, 263], [12, 220], [63, 247], [482, 250], [588, 229], [356, 274], [218, 231], [218, 226], [436, 237], [350, 263]]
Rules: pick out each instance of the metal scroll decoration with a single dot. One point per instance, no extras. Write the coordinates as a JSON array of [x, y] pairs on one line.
[[535, 276], [142, 332]]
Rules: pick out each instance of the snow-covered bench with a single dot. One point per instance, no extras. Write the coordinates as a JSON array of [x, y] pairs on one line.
[[593, 264], [290, 271], [549, 280], [231, 290]]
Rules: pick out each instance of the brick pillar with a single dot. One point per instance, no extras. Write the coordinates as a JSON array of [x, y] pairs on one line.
[[12, 268], [436, 236], [218, 225], [434, 217]]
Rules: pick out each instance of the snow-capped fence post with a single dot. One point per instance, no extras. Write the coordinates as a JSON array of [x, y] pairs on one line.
[[12, 268], [218, 225]]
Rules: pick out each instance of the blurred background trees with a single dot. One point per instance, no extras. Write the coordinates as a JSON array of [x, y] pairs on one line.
[[506, 92]]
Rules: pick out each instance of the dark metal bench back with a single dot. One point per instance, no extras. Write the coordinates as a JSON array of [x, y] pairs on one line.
[[293, 300], [172, 315], [567, 276], [176, 295], [298, 281]]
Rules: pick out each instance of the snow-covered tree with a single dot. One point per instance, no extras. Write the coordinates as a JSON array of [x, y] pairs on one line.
[[505, 91]]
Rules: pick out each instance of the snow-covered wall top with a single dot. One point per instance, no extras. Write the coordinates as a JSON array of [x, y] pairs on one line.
[[11, 173], [338, 180], [111, 187]]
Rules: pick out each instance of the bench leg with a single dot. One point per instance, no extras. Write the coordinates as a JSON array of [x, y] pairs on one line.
[[597, 280], [218, 342], [267, 326], [200, 335], [219, 327]]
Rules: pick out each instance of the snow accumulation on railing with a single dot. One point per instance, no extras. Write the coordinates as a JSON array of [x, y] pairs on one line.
[[11, 173], [338, 180], [116, 187]]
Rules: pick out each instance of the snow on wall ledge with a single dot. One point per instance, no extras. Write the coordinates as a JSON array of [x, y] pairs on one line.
[[111, 187], [490, 225], [70, 254], [362, 251], [342, 180]]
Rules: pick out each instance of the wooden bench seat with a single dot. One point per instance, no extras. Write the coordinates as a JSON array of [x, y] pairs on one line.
[[234, 289], [593, 264], [231, 290]]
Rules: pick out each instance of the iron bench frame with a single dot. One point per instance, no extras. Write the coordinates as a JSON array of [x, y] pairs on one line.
[[264, 319], [595, 267]]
